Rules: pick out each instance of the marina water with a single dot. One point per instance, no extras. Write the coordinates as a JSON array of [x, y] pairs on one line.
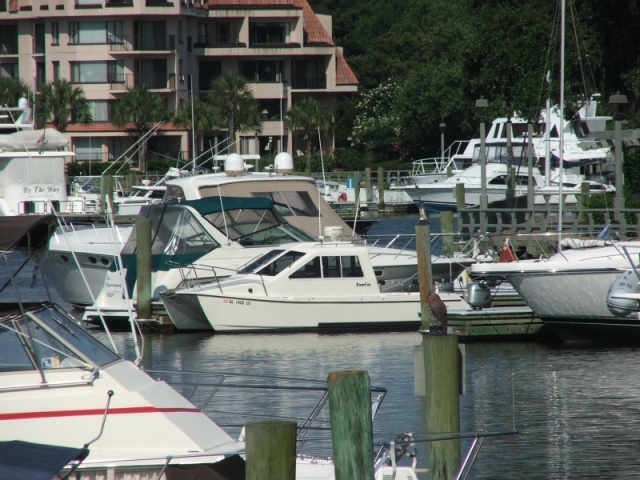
[[576, 409]]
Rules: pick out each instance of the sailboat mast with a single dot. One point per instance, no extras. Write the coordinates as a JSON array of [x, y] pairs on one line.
[[561, 139]]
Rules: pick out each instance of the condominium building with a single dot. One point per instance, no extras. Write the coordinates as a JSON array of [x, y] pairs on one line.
[[176, 48]]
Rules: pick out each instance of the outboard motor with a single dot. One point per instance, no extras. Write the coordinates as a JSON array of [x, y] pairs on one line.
[[478, 295], [624, 284]]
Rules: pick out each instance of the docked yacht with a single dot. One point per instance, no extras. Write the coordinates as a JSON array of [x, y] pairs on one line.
[[328, 286], [32, 167], [507, 143], [84, 255], [569, 290]]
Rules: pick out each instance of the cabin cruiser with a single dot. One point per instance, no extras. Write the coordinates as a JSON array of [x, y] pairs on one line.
[[84, 256], [328, 286]]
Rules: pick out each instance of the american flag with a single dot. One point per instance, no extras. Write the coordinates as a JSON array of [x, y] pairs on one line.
[[41, 139]]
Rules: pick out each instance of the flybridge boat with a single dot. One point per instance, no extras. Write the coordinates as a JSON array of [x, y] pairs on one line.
[[581, 152], [307, 286], [32, 175]]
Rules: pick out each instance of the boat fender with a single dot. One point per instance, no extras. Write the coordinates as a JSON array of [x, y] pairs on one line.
[[342, 197], [625, 283]]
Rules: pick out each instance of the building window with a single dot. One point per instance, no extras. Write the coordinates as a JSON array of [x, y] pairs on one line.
[[152, 35], [55, 33], [88, 149], [38, 38], [309, 74], [99, 110], [207, 72], [55, 67], [152, 73], [9, 70], [83, 33], [261, 33], [97, 72], [261, 71], [218, 33], [9, 40]]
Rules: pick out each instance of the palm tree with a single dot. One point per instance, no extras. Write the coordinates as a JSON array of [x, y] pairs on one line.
[[307, 117], [203, 115], [11, 90], [60, 102], [143, 109], [233, 102]]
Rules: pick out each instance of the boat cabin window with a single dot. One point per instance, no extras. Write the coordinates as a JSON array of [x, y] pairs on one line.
[[173, 192], [272, 263], [287, 203], [330, 266], [256, 227], [49, 339]]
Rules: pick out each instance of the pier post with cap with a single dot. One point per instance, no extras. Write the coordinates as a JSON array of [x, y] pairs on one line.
[[271, 450], [381, 185], [441, 367], [350, 413], [143, 288]]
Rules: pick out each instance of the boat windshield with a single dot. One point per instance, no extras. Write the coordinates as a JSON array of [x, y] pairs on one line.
[[48, 338], [256, 227]]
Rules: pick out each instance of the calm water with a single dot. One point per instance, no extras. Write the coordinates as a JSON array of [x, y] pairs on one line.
[[577, 410]]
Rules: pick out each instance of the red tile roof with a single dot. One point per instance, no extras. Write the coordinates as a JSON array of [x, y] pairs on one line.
[[344, 74], [316, 34]]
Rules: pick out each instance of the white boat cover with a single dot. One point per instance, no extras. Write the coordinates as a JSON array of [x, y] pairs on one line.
[[45, 139]]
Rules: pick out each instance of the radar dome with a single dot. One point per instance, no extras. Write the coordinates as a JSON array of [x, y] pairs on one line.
[[234, 165], [283, 163]]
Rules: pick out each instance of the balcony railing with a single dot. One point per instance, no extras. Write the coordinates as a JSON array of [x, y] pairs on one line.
[[212, 41], [142, 43], [310, 83], [160, 81], [8, 46]]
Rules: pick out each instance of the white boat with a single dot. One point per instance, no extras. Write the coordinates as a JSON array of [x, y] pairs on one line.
[[86, 254], [32, 167], [308, 286], [59, 386], [569, 289], [580, 151]]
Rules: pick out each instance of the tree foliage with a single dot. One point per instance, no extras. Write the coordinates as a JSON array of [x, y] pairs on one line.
[[143, 109], [306, 117], [444, 54], [60, 103], [232, 101]]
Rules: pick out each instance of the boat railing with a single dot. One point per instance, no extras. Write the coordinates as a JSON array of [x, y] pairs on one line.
[[305, 401], [196, 274]]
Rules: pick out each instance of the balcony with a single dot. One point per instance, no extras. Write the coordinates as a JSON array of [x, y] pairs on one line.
[[158, 81], [213, 41], [142, 43], [8, 46], [309, 83]]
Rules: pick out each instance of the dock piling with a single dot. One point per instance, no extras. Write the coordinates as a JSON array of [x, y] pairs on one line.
[[271, 450], [143, 244]]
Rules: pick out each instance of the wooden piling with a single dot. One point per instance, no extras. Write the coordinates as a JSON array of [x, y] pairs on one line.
[[356, 190], [351, 424], [106, 192], [441, 366], [446, 229], [423, 250], [381, 188], [143, 245], [460, 199], [271, 450], [367, 182]]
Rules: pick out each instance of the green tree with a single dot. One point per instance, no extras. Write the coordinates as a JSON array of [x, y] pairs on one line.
[[11, 90], [232, 101], [206, 119], [143, 109], [306, 117], [60, 102]]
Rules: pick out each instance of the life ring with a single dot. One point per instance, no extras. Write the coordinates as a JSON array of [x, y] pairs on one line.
[[342, 197]]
